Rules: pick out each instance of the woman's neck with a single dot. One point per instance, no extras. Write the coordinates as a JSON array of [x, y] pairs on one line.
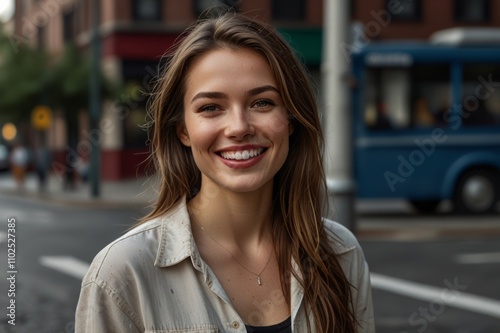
[[232, 217]]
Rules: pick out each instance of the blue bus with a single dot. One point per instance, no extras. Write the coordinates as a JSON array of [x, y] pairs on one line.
[[427, 123]]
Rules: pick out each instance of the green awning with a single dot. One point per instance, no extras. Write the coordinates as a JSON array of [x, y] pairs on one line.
[[307, 42]]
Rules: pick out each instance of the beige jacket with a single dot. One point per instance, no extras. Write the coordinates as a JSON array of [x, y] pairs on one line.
[[153, 279]]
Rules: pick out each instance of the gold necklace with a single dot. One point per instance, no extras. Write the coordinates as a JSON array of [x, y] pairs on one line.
[[259, 278]]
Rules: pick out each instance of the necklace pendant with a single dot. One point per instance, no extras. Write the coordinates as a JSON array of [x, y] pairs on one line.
[[259, 281]]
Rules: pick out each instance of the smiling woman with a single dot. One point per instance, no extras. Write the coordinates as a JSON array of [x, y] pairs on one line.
[[236, 241]]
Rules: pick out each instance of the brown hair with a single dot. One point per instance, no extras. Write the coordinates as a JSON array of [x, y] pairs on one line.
[[299, 196]]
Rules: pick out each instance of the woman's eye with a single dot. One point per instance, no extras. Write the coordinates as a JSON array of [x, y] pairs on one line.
[[262, 103], [209, 108]]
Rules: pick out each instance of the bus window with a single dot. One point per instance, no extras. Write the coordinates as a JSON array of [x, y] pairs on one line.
[[387, 92], [431, 95], [481, 95], [402, 98]]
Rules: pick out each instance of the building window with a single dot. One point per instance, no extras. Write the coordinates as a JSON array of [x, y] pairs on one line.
[[147, 10], [289, 10], [68, 25], [405, 10], [202, 7], [40, 37], [472, 10]]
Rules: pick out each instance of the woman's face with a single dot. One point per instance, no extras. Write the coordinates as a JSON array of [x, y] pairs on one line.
[[235, 120]]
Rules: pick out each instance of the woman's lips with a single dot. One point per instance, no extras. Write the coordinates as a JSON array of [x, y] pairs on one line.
[[241, 154], [242, 159]]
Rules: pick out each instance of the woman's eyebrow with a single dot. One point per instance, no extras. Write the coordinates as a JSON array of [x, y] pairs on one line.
[[208, 94], [259, 90]]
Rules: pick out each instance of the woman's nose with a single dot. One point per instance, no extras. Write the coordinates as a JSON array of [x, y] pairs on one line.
[[239, 125]]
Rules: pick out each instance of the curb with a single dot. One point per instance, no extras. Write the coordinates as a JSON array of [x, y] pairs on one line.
[[100, 203], [422, 235]]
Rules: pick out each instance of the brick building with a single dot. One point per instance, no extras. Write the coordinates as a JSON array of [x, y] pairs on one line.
[[419, 19]]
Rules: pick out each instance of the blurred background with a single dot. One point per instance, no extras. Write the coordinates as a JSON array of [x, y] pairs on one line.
[[422, 101]]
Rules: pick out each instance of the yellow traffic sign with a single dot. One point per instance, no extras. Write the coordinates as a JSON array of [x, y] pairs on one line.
[[41, 118]]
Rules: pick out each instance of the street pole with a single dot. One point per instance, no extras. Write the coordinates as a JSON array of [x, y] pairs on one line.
[[95, 99], [337, 113]]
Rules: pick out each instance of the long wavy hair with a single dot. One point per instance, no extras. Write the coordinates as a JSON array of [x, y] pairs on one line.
[[299, 191]]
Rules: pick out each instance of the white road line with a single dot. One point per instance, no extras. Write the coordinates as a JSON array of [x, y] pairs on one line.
[[478, 258], [454, 298], [3, 236], [66, 264]]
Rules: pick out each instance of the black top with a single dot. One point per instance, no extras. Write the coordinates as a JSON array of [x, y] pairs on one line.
[[283, 327]]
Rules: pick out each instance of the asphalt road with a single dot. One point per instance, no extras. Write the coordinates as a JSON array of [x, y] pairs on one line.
[[425, 275], [46, 298], [441, 268]]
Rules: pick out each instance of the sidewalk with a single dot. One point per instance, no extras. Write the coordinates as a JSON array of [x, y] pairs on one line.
[[135, 192]]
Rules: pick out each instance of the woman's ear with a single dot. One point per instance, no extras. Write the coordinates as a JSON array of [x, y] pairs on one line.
[[183, 135]]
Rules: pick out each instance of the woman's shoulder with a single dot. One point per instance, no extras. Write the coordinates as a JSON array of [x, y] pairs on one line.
[[136, 248], [348, 250], [342, 239]]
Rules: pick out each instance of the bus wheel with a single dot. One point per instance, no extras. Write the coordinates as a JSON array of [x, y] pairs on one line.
[[425, 206], [477, 192]]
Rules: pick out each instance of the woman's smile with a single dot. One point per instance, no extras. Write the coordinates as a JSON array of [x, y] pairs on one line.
[[242, 159], [241, 155]]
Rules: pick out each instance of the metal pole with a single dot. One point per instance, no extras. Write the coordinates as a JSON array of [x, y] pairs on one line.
[[95, 99], [338, 129]]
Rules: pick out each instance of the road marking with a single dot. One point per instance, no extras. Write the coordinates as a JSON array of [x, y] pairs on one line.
[[478, 258], [461, 300], [3, 236], [66, 264]]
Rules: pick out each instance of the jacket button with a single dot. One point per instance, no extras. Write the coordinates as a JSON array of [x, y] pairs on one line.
[[235, 324]]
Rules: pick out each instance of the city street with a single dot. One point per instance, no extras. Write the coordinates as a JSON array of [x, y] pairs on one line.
[[429, 273]]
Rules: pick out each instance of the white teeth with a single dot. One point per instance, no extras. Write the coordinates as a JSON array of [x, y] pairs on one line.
[[242, 155]]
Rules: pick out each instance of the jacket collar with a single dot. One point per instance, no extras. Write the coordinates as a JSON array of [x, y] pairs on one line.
[[176, 240]]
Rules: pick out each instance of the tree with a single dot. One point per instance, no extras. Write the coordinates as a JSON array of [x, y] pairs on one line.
[[23, 74], [28, 77]]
